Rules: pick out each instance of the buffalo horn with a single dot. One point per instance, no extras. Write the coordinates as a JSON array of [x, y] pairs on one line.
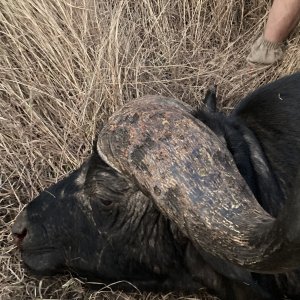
[[192, 178]]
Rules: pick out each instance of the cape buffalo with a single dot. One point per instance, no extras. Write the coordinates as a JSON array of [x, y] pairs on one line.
[[174, 198]]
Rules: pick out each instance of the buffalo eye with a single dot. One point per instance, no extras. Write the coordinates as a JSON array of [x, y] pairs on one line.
[[106, 202]]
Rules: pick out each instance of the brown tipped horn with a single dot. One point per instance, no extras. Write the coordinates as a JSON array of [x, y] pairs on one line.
[[194, 181]]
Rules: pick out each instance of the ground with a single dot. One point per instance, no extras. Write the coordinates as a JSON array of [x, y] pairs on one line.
[[66, 65]]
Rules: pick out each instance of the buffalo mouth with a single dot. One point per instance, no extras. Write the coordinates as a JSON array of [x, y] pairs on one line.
[[44, 261], [38, 256]]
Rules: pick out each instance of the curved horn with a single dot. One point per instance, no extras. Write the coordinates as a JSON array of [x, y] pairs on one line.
[[194, 181]]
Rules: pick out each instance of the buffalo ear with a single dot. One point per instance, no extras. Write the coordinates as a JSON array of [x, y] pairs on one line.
[[210, 99], [208, 106]]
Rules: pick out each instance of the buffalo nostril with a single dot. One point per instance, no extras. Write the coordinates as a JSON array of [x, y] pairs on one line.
[[19, 237], [19, 228]]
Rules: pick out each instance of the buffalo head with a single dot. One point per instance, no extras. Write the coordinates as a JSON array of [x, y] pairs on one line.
[[98, 224], [158, 181]]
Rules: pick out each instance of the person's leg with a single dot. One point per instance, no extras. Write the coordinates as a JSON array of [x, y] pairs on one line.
[[283, 17]]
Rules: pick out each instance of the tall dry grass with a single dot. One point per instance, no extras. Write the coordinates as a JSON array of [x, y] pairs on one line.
[[65, 65]]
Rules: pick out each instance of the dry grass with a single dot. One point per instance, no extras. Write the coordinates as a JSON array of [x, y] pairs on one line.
[[67, 64]]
